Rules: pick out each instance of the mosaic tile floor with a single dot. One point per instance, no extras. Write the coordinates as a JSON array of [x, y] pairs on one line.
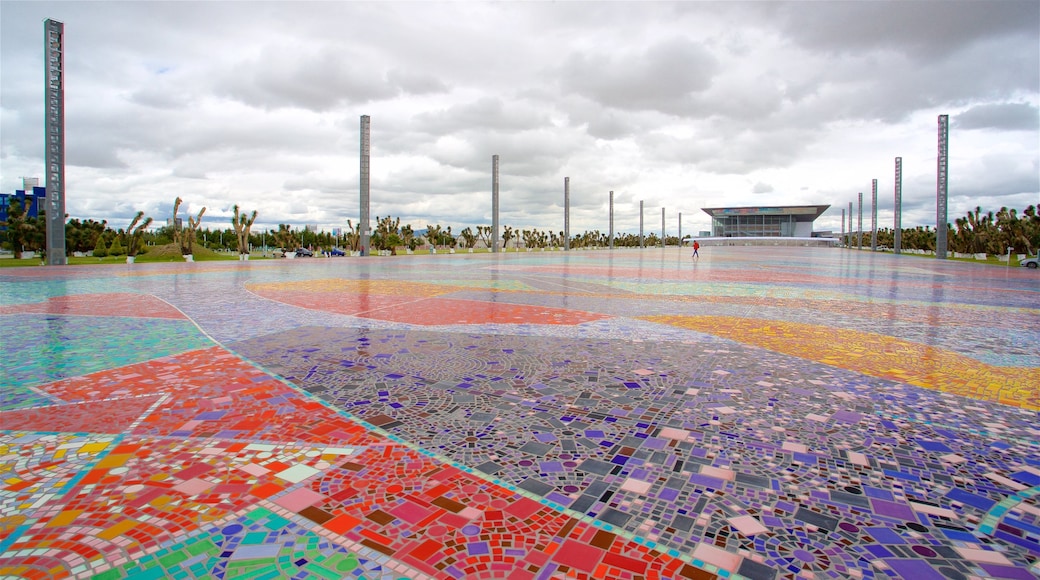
[[758, 413]]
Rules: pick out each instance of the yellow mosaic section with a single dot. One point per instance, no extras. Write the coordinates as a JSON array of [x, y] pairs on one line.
[[876, 355], [35, 469], [496, 285]]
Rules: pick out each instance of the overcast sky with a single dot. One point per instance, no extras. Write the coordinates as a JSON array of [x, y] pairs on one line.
[[683, 105]]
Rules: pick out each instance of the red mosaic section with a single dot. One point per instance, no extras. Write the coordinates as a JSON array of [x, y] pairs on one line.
[[361, 304], [118, 304], [430, 311], [107, 416], [211, 392], [198, 458], [146, 492], [445, 522]]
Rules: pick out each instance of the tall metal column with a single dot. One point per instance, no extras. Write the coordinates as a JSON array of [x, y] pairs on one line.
[[640, 224], [364, 218], [54, 127], [873, 215], [566, 213], [663, 245], [941, 192], [680, 229], [843, 225], [897, 241], [859, 224], [494, 203], [848, 243], [610, 236]]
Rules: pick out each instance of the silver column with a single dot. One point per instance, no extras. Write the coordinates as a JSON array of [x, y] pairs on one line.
[[365, 218], [54, 126], [494, 203], [941, 191]]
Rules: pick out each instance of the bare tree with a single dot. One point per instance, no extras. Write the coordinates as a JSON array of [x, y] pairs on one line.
[[135, 232], [242, 226]]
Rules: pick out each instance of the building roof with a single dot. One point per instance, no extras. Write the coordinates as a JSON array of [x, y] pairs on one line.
[[801, 213]]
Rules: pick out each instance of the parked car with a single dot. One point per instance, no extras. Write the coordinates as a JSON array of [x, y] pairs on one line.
[[304, 252], [1030, 262], [337, 252]]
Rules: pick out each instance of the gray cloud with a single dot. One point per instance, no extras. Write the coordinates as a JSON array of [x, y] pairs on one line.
[[923, 30], [999, 116], [663, 77], [316, 79], [485, 113], [684, 105]]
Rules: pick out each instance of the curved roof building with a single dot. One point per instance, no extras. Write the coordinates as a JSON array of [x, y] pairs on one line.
[[793, 221]]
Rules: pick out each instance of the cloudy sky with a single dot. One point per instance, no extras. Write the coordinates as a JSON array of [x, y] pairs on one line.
[[682, 105]]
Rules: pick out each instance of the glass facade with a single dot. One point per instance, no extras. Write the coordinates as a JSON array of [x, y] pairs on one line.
[[754, 225], [764, 222]]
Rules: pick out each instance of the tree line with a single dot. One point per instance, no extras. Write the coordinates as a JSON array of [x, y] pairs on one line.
[[977, 232], [389, 235]]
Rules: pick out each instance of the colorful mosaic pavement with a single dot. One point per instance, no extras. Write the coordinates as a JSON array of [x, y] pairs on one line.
[[758, 413]]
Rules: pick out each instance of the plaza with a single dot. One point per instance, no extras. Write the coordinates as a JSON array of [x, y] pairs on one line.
[[760, 412]]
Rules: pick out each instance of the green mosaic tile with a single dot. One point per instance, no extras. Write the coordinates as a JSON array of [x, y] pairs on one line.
[[71, 346]]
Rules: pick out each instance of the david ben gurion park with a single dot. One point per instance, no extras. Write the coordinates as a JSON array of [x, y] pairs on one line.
[[529, 405]]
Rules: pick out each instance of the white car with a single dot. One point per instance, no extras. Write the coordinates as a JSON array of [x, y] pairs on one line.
[[1030, 262]]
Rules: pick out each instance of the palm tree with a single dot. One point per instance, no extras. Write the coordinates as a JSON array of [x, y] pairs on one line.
[[1013, 231]]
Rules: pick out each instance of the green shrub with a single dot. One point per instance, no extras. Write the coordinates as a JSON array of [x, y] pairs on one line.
[[99, 249], [116, 249]]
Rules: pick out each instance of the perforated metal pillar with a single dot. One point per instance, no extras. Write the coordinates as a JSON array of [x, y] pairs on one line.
[[610, 236], [566, 213], [843, 225], [897, 225], [365, 218], [680, 229], [662, 228], [848, 243], [859, 224], [54, 127], [494, 203], [873, 215], [640, 224], [941, 192]]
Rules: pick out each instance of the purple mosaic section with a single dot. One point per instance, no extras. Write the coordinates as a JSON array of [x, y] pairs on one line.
[[686, 446]]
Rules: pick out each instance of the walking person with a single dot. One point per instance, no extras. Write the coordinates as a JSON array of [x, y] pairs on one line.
[[696, 247]]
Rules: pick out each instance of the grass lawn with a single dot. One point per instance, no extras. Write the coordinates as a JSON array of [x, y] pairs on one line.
[[167, 253]]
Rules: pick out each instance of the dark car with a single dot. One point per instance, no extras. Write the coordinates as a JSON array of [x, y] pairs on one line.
[[304, 252], [337, 252]]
